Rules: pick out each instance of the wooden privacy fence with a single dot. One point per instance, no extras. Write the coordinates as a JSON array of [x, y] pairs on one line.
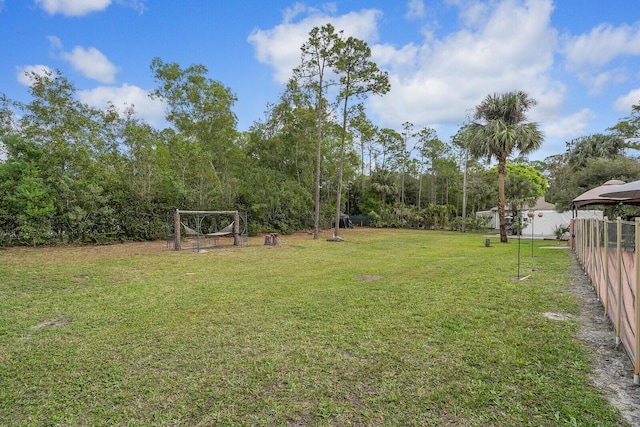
[[610, 255]]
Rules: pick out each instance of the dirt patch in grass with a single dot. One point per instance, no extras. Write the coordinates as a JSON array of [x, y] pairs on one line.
[[367, 278], [69, 253], [51, 324], [555, 316], [613, 370], [89, 253]]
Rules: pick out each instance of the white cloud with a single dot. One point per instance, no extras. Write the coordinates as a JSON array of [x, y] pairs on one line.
[[599, 83], [624, 103], [570, 126], [280, 46], [291, 12], [558, 131], [92, 64], [587, 54], [138, 5], [403, 60], [473, 13], [415, 9], [72, 7], [54, 42], [24, 74], [512, 50], [601, 46], [125, 96]]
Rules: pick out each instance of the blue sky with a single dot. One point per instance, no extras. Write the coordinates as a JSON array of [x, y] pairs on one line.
[[580, 59]]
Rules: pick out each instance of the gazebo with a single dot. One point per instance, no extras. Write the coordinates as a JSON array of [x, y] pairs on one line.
[[596, 196]]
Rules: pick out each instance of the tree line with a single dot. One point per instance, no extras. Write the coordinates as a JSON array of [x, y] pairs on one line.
[[74, 173]]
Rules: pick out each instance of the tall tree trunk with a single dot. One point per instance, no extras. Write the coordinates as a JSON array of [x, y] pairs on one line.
[[502, 167], [464, 190], [362, 156], [420, 192], [316, 221], [402, 183], [446, 189], [336, 231], [433, 187]]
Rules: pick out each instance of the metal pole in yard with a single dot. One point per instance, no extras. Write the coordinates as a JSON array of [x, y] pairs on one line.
[[519, 235], [531, 216]]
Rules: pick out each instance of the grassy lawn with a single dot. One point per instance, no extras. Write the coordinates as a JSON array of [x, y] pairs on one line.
[[390, 327]]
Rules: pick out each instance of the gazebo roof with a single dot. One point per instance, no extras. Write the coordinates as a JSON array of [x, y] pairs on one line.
[[629, 193], [595, 195]]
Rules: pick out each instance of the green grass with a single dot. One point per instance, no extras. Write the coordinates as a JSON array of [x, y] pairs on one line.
[[291, 335]]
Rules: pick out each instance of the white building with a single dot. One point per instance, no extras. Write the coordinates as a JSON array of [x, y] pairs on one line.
[[545, 219]]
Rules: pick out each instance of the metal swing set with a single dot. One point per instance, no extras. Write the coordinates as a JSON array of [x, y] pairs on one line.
[[197, 230]]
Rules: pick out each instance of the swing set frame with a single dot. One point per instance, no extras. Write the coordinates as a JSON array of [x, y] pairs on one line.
[[202, 239]]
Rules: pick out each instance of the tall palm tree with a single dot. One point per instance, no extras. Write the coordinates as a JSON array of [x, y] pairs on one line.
[[384, 182], [585, 148], [500, 129]]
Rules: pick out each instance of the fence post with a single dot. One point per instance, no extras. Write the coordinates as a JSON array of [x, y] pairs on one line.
[[636, 267], [585, 255], [592, 250], [587, 248], [579, 239], [579, 243], [618, 278], [572, 233], [598, 268], [176, 225], [236, 228], [585, 245], [605, 298], [583, 242]]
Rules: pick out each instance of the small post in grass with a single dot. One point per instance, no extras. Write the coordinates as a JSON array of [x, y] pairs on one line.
[[519, 231], [176, 225]]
